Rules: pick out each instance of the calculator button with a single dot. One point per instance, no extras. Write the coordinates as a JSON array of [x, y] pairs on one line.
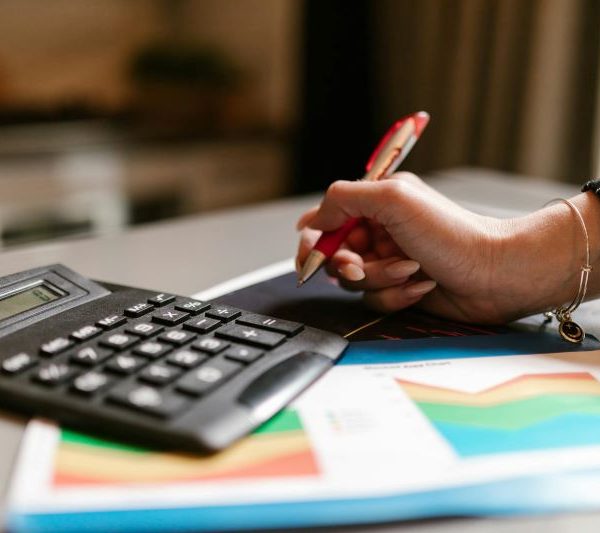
[[111, 322], [92, 382], [54, 373], [138, 310], [243, 354], [169, 317], [193, 307], [125, 364], [223, 313], [160, 374], [272, 324], [210, 345], [202, 325], [152, 349], [58, 345], [148, 400], [177, 337], [85, 333], [144, 329], [252, 336], [119, 341], [90, 355], [186, 358], [15, 364], [208, 376], [161, 299]]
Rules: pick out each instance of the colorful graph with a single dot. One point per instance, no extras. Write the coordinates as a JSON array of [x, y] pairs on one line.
[[530, 412], [279, 448]]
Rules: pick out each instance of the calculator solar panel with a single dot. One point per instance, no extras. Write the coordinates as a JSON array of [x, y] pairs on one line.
[[148, 367]]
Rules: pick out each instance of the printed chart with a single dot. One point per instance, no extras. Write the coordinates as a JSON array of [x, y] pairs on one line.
[[529, 412], [279, 448]]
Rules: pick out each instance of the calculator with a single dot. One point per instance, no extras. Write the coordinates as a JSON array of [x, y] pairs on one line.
[[151, 368]]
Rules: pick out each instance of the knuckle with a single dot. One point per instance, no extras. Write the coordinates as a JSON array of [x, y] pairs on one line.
[[336, 188]]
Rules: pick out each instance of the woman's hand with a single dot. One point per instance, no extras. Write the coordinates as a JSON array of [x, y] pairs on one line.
[[416, 246]]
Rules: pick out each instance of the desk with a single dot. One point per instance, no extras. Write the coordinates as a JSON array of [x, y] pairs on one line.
[[192, 254]]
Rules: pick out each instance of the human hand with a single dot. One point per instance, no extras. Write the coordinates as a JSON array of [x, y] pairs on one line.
[[415, 246]]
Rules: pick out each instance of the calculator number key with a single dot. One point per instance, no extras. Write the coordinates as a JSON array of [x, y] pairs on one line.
[[152, 349], [202, 325], [85, 333], [169, 317], [54, 374], [90, 355], [125, 364], [15, 364], [138, 310], [144, 329], [223, 313], [56, 346], [208, 376], [177, 337], [252, 336], [210, 345], [272, 324], [160, 374], [186, 358], [91, 383], [148, 400], [119, 341], [193, 307]]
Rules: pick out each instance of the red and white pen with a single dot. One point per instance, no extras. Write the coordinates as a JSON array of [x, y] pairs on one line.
[[390, 152]]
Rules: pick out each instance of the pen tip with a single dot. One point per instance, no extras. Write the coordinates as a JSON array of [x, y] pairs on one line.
[[299, 283]]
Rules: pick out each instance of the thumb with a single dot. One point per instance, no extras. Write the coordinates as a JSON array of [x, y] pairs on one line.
[[381, 201]]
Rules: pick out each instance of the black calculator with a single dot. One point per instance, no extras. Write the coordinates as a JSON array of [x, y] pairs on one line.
[[152, 368]]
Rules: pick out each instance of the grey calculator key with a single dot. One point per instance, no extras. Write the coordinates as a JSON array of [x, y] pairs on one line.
[[119, 341], [243, 354], [224, 313], [249, 335], [191, 306], [208, 376], [148, 399], [272, 324], [144, 329], [125, 364], [56, 346], [54, 373], [153, 349], [169, 317], [85, 333], [92, 382], [160, 374], [210, 345], [202, 325], [161, 299], [177, 337], [186, 358], [15, 364], [111, 321], [90, 355], [138, 310]]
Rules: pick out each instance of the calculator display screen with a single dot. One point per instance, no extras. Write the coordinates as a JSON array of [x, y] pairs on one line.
[[27, 299]]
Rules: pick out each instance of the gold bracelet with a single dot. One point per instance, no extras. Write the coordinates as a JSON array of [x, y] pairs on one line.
[[568, 329]]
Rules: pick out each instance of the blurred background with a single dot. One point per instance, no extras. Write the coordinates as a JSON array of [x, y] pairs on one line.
[[121, 112]]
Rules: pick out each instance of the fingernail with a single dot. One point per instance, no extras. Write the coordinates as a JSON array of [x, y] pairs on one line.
[[352, 272], [401, 269], [421, 288]]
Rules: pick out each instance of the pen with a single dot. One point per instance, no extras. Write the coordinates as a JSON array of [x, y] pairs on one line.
[[390, 152]]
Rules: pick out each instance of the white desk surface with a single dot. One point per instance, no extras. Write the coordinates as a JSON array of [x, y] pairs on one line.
[[191, 254]]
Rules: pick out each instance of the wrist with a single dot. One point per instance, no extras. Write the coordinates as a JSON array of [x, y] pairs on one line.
[[542, 255]]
